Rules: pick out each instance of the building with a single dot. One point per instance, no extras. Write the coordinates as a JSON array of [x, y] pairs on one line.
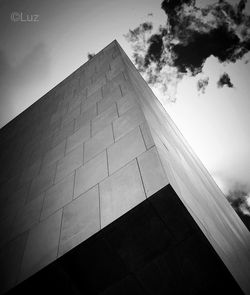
[[100, 194]]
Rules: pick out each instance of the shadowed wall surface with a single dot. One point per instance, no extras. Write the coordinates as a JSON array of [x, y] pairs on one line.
[[155, 248]]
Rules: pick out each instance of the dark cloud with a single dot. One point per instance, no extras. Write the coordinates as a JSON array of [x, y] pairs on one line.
[[154, 51], [139, 32], [224, 80], [191, 35], [173, 7], [191, 55], [202, 84], [238, 198], [220, 30]]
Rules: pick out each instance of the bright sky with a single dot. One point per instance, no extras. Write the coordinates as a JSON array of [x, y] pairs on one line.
[[36, 56]]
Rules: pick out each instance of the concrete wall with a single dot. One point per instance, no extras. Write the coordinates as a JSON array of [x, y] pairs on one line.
[[72, 163]]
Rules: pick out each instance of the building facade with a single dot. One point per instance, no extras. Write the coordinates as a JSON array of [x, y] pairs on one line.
[[88, 159]]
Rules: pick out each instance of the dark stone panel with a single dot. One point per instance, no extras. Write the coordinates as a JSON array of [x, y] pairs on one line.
[[96, 264], [172, 211], [53, 279], [139, 237], [155, 249], [162, 275], [128, 285]]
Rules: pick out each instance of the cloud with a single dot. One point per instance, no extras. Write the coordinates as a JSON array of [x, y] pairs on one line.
[[224, 80], [220, 29], [202, 84], [239, 198], [191, 35]]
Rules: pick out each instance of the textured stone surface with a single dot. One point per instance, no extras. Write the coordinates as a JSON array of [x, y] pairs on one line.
[[58, 196], [152, 172], [72, 114], [125, 103], [31, 171], [14, 202], [43, 181], [127, 122], [69, 163], [10, 261], [27, 216], [90, 174], [86, 116], [66, 131], [120, 192], [74, 108], [42, 245], [104, 119], [92, 99], [146, 134], [54, 154], [81, 219], [80, 136], [99, 142], [111, 93], [110, 97], [126, 149]]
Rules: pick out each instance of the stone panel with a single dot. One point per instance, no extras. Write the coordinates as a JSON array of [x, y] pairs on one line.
[[152, 172], [80, 136], [58, 196], [126, 149], [146, 134], [90, 174], [120, 192], [42, 245], [54, 154], [69, 163], [71, 115], [14, 202], [109, 99], [128, 121], [66, 131], [92, 99], [42, 182], [86, 116], [80, 220], [10, 262], [75, 105], [104, 119], [98, 143], [31, 171], [125, 103], [27, 216]]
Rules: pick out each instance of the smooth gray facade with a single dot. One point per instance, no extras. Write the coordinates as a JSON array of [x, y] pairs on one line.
[[73, 162]]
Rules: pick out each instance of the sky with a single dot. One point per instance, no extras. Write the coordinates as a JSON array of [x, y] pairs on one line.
[[36, 55]]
